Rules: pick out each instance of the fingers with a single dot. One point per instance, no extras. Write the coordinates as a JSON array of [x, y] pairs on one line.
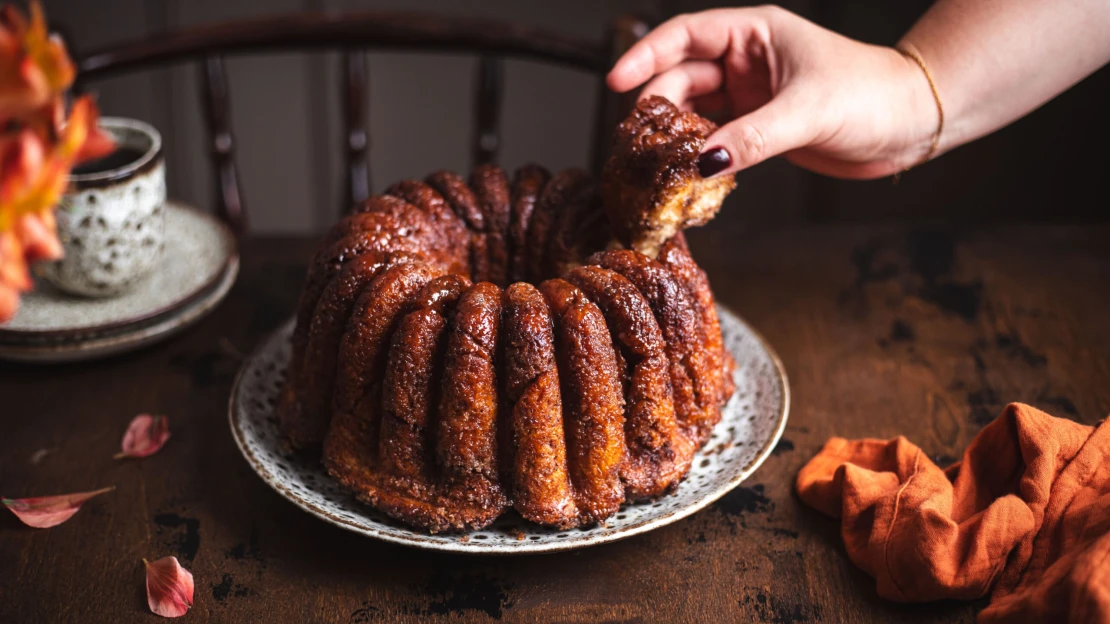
[[779, 126], [686, 81], [699, 36], [684, 55], [714, 106], [693, 86], [840, 168]]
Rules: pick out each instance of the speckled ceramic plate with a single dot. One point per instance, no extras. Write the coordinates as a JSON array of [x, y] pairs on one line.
[[198, 268], [751, 424], [128, 339], [196, 256]]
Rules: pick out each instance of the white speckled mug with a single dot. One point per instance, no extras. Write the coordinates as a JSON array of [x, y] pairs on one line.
[[111, 222]]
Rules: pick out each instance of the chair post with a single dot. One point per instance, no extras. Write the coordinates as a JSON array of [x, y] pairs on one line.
[[217, 116], [355, 103], [612, 107], [487, 110]]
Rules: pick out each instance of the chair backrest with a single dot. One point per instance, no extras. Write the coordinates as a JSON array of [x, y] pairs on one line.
[[354, 34]]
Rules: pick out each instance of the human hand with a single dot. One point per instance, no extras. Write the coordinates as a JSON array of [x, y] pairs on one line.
[[786, 86]]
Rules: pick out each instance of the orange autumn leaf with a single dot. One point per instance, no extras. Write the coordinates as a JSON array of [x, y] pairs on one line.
[[47, 51], [35, 66], [98, 143], [25, 234], [169, 587], [38, 145], [47, 511], [9, 301], [34, 170], [33, 238], [38, 233], [23, 87], [13, 268], [22, 156], [145, 436], [33, 178], [14, 277]]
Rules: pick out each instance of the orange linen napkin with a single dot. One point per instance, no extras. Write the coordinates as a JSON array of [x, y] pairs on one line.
[[1027, 512]]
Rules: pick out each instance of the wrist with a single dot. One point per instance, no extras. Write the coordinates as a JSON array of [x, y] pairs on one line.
[[922, 109]]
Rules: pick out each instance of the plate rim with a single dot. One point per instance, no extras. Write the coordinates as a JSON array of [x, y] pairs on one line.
[[174, 321], [51, 337], [472, 548]]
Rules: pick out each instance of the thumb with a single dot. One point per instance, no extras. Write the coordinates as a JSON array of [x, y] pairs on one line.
[[781, 125]]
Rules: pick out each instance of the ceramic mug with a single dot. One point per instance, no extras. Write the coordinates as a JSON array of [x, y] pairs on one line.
[[111, 221]]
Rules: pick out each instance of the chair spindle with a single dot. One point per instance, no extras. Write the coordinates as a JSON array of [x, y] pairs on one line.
[[355, 104], [613, 107], [217, 115], [487, 107]]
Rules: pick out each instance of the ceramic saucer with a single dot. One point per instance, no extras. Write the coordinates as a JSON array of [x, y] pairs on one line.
[[197, 269]]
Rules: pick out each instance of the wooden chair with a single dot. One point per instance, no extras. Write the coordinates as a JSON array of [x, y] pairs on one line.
[[354, 34]]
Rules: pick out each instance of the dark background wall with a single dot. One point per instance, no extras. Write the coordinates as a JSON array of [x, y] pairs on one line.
[[1049, 166]]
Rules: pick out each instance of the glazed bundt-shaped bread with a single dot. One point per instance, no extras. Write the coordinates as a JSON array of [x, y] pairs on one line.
[[652, 186], [466, 346]]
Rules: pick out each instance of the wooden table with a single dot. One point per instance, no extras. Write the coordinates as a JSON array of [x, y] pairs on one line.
[[883, 330]]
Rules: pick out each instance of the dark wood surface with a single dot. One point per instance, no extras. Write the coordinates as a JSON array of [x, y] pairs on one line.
[[924, 332]]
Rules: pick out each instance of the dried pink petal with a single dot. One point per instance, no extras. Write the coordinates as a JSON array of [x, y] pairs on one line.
[[47, 511], [169, 587], [145, 436]]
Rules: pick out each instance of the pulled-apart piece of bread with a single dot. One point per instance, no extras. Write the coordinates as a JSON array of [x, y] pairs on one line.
[[651, 185]]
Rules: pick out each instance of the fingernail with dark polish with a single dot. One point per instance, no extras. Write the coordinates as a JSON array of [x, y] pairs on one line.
[[713, 161]]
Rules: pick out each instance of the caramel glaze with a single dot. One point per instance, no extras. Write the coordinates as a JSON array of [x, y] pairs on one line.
[[694, 382], [593, 405], [571, 228], [374, 234], [659, 453], [465, 204], [559, 192], [491, 189], [537, 468], [410, 393], [675, 255], [443, 402], [432, 204], [652, 186], [316, 376], [350, 447], [528, 183]]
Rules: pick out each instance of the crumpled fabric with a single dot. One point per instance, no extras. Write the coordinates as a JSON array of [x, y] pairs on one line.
[[1024, 516]]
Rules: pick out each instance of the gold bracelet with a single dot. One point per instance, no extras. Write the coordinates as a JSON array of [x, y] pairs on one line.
[[912, 54]]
